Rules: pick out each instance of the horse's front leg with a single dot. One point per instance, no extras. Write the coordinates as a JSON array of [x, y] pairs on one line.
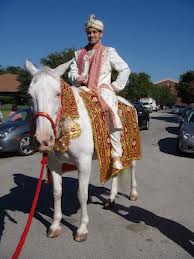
[[133, 194], [55, 228], [84, 170]]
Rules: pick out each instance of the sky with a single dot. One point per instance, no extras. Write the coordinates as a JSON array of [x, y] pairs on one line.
[[152, 36]]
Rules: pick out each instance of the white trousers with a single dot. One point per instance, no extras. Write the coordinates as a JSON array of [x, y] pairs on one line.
[[115, 131], [111, 99]]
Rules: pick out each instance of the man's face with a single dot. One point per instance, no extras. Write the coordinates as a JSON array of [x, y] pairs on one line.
[[94, 36]]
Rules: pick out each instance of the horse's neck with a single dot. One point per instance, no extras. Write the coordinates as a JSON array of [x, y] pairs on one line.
[[76, 93]]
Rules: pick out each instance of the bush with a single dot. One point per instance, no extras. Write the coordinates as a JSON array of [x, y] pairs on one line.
[[7, 99]]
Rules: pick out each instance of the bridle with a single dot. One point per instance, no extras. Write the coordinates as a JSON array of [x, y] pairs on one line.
[[46, 115]]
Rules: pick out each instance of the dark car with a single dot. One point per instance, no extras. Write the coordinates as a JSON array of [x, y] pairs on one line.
[[143, 116], [15, 133], [178, 109], [185, 115], [186, 135]]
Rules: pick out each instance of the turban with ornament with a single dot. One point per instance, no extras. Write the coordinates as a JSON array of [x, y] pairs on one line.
[[93, 23]]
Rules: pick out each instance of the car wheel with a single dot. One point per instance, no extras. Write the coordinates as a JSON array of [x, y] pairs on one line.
[[147, 125], [178, 150], [25, 146]]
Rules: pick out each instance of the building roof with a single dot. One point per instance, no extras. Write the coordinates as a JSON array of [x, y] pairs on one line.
[[166, 79], [9, 83]]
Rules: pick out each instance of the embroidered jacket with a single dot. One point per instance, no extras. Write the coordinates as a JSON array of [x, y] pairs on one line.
[[110, 59]]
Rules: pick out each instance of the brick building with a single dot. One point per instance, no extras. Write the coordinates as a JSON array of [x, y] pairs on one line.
[[171, 84], [9, 85]]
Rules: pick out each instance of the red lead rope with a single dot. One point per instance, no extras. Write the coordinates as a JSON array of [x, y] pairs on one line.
[[30, 216]]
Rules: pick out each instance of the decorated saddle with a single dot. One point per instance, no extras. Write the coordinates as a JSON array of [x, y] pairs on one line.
[[130, 135]]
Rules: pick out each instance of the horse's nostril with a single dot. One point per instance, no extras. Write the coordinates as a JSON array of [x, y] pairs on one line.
[[45, 143]]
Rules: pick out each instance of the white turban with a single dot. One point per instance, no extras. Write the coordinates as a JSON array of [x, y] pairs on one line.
[[96, 24]]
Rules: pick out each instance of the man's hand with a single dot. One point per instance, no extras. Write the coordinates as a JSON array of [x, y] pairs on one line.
[[85, 82], [80, 80]]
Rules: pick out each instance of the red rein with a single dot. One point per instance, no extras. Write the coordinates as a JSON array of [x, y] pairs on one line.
[[32, 210], [34, 203]]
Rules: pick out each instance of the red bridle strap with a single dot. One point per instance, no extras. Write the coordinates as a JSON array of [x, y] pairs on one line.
[[46, 115]]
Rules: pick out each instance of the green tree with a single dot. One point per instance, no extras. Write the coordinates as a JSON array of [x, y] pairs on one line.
[[10, 69], [24, 78], [163, 95], [2, 70], [139, 85], [184, 87], [13, 69], [57, 58], [52, 60]]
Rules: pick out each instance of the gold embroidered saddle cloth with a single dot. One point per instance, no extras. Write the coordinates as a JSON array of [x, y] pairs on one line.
[[130, 135]]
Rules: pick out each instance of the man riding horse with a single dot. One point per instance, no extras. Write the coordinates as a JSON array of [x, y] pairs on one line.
[[53, 103], [91, 70]]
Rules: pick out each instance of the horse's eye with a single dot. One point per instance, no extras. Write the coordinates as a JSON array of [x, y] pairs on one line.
[[58, 94]]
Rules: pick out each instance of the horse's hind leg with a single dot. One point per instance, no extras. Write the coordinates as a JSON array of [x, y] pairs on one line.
[[114, 190], [123, 181], [55, 228], [133, 194], [84, 170]]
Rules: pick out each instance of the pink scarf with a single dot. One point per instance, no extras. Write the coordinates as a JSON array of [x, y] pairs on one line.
[[95, 66], [94, 74]]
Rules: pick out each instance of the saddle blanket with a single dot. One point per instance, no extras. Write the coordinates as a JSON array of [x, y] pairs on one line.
[[130, 134]]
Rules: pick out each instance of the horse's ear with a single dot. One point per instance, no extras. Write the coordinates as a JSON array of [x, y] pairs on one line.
[[60, 70], [30, 67]]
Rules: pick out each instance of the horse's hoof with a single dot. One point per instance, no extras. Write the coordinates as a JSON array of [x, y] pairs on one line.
[[133, 197], [53, 233], [108, 205], [80, 237]]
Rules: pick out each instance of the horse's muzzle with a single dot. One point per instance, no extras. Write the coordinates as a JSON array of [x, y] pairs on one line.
[[43, 146]]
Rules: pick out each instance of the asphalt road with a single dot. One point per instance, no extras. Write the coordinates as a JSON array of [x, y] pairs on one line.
[[159, 224]]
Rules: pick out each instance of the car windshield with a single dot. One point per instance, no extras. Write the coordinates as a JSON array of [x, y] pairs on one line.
[[138, 105], [17, 116], [187, 112], [191, 117]]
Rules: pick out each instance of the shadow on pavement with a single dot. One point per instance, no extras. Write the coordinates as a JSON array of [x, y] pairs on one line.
[[173, 130], [172, 118], [20, 199], [181, 235], [170, 146], [10, 154]]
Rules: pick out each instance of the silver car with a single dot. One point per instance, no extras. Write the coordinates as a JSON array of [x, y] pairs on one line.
[[186, 135], [15, 133]]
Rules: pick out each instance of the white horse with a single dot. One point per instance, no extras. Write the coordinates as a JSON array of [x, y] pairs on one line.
[[45, 90]]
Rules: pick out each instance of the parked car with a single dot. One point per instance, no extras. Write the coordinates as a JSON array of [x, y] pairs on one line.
[[143, 116], [184, 116], [15, 133], [158, 107], [186, 135], [178, 109]]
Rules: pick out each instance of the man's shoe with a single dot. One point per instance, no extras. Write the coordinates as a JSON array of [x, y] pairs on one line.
[[117, 163]]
